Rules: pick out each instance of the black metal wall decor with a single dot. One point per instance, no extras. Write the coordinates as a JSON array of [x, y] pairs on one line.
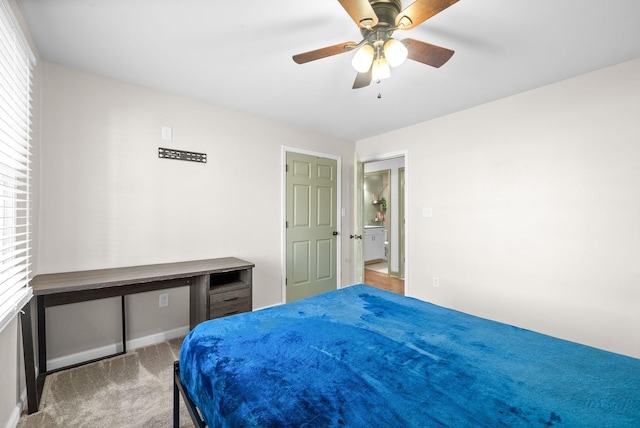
[[164, 153]]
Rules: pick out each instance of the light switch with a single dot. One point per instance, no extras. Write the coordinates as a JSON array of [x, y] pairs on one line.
[[166, 132], [427, 212]]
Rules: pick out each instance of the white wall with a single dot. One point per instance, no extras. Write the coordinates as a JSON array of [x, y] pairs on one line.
[[107, 200], [10, 374], [536, 208]]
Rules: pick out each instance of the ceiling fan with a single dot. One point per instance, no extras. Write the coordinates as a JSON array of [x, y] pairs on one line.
[[378, 51]]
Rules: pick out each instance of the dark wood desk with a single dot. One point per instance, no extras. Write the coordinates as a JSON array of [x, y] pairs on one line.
[[202, 277]]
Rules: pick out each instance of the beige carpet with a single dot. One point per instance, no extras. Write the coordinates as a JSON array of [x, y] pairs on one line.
[[131, 390]]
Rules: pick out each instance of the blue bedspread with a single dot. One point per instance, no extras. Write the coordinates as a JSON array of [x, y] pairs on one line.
[[362, 357]]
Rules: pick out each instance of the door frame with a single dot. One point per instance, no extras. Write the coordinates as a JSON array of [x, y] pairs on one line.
[[403, 215], [357, 232], [283, 215], [391, 155]]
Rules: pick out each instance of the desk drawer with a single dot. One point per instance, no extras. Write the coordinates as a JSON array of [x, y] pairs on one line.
[[234, 301]]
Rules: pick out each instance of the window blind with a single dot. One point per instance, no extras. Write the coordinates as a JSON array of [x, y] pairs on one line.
[[16, 61]]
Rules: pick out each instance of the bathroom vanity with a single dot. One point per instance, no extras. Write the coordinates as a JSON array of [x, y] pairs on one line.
[[374, 238]]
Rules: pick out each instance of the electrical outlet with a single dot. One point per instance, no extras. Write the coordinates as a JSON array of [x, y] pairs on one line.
[[164, 300], [436, 282]]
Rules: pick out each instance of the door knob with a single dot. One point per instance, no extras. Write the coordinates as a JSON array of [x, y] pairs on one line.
[[335, 233], [355, 236]]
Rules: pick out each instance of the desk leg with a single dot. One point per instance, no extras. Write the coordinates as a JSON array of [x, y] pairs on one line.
[[33, 395], [124, 327], [42, 336]]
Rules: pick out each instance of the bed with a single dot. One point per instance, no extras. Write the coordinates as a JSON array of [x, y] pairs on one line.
[[363, 357]]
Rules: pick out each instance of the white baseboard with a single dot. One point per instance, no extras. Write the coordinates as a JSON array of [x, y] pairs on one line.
[[92, 354], [14, 418], [158, 337], [268, 306]]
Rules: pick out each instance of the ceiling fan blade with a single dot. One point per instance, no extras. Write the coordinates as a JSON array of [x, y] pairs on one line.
[[324, 52], [363, 79], [361, 12], [426, 53], [419, 11]]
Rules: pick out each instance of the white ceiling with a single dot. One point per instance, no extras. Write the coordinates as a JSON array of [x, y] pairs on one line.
[[238, 54]]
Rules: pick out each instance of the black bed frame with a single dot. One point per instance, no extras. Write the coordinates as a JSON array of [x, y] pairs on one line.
[[178, 389]]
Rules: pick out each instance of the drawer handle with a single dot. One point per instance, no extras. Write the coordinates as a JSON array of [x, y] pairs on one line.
[[231, 299]]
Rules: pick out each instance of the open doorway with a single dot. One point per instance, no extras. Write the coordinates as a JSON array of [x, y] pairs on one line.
[[384, 223]]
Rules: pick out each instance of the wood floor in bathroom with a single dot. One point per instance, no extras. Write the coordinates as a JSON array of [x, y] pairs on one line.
[[383, 281]]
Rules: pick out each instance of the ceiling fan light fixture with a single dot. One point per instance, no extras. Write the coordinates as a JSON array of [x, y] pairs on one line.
[[403, 21], [363, 58], [380, 69], [395, 51]]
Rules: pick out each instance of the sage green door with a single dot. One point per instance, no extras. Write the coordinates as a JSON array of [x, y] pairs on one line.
[[311, 225]]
